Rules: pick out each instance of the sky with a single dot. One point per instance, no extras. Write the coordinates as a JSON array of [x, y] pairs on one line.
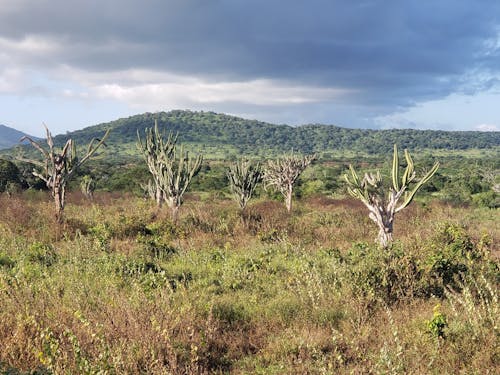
[[422, 64]]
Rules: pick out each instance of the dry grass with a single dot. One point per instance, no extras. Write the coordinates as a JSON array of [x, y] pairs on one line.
[[120, 289]]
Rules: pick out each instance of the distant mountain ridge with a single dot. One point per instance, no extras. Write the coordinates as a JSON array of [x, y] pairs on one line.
[[10, 137], [211, 128], [209, 132]]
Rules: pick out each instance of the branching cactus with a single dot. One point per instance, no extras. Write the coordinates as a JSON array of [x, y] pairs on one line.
[[149, 190], [58, 167], [176, 177], [157, 151], [172, 171], [243, 179], [383, 202], [87, 186], [283, 173]]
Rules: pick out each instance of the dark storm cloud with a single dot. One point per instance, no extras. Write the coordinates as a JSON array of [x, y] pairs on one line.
[[389, 52]]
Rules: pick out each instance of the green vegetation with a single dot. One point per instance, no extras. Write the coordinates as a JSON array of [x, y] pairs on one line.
[[123, 291], [219, 136], [10, 176], [121, 286]]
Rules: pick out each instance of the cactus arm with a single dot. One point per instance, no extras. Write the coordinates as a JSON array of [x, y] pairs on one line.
[[395, 169], [35, 145], [409, 173], [409, 196], [91, 151], [354, 175]]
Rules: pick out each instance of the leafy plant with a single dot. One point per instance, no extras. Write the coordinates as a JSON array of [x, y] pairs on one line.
[[437, 325]]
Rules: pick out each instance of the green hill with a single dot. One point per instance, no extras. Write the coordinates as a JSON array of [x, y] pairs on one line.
[[222, 136]]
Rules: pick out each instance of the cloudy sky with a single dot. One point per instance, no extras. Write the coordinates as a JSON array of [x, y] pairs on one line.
[[426, 64]]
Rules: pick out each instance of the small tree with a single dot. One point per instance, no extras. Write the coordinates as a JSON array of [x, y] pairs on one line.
[[87, 186], [283, 173], [243, 179], [172, 171], [382, 202], [58, 167]]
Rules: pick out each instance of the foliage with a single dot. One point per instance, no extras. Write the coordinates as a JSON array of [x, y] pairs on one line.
[[9, 174], [123, 291], [220, 136], [438, 323]]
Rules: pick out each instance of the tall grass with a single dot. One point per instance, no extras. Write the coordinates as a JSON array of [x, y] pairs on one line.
[[120, 290]]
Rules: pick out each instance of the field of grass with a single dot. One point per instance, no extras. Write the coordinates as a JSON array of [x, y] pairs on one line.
[[121, 289]]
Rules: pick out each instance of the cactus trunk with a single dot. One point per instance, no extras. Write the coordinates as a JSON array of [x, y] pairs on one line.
[[288, 198]]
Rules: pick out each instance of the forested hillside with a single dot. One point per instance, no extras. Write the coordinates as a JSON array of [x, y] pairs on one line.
[[208, 131]]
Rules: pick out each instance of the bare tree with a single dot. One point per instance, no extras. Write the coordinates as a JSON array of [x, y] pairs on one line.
[[284, 172], [58, 167], [172, 171], [382, 201], [243, 179]]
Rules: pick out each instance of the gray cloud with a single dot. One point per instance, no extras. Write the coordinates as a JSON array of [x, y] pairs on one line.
[[385, 53]]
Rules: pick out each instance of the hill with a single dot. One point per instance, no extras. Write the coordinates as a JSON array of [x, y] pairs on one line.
[[9, 137], [222, 136]]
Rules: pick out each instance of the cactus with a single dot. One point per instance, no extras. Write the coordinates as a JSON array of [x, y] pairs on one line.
[[57, 168], [149, 190], [87, 186], [243, 178], [172, 172], [382, 202], [283, 173], [157, 152], [177, 176]]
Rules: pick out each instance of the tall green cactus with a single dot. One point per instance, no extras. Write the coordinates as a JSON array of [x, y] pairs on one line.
[[243, 179], [382, 202], [176, 177], [157, 152], [58, 167], [172, 171]]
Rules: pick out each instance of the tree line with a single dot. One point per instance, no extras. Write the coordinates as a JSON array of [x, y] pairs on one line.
[[230, 132]]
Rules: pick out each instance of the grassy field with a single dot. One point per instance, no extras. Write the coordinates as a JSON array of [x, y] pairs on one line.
[[121, 289]]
